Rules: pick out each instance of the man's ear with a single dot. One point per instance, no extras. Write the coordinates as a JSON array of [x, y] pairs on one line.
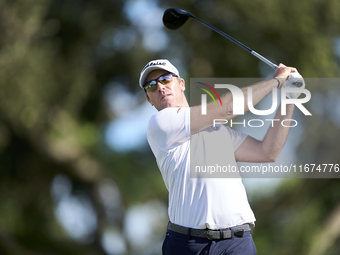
[[182, 85], [148, 98]]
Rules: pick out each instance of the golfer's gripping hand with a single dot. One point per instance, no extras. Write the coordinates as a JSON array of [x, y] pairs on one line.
[[282, 71]]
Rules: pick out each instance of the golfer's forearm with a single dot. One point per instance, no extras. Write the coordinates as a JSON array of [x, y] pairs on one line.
[[259, 91], [227, 111], [277, 134]]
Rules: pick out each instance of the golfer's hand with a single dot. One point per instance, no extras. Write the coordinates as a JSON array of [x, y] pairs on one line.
[[282, 71]]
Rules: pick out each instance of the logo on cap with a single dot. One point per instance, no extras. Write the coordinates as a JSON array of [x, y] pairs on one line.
[[154, 64]]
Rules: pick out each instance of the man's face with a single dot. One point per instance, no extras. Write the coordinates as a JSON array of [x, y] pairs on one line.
[[168, 95]]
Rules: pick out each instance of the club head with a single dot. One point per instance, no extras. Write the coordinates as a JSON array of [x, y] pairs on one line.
[[174, 18]]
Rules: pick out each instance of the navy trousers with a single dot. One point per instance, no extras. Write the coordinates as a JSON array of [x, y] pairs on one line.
[[179, 244]]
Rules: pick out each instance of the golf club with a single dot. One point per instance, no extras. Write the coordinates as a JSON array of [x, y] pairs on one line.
[[174, 18]]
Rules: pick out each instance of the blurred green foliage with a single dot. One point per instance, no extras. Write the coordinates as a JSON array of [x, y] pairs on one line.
[[56, 61]]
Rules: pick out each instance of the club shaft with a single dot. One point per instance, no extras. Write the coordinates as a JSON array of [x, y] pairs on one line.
[[260, 57], [263, 59]]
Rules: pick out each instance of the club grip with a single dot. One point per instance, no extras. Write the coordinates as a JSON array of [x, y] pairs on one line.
[[271, 64]]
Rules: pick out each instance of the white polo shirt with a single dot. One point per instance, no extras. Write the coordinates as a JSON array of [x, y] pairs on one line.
[[212, 203]]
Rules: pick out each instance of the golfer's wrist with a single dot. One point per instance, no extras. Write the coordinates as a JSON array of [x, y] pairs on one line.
[[279, 82]]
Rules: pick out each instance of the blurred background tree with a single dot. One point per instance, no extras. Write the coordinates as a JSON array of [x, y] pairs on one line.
[[73, 181]]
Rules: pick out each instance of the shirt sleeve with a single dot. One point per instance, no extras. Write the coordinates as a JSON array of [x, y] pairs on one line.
[[170, 127], [237, 137]]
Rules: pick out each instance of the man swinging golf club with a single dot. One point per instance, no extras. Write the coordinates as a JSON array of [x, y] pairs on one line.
[[207, 215]]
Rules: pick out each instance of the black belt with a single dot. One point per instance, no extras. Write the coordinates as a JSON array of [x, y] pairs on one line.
[[211, 234]]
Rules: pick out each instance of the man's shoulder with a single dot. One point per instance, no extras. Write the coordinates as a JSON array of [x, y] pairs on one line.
[[169, 128], [173, 110], [171, 118], [169, 113]]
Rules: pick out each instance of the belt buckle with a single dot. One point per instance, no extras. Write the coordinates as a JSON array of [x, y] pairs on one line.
[[239, 233]]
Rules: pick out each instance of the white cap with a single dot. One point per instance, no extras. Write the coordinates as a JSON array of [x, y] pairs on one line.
[[155, 65]]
